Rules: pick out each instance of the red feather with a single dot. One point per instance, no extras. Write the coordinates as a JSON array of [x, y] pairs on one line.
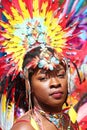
[[30, 6], [7, 6]]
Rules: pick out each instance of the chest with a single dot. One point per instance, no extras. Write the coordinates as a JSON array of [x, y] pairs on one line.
[[46, 125]]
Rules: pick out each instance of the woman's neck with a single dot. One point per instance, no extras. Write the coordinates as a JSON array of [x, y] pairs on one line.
[[47, 108], [58, 119]]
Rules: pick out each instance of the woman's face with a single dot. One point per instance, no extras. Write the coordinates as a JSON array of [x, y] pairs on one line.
[[49, 87]]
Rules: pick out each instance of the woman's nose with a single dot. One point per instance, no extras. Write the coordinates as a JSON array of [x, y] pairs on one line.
[[54, 82]]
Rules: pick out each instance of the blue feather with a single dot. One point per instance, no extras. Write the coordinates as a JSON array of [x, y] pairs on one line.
[[79, 5], [70, 6], [85, 12]]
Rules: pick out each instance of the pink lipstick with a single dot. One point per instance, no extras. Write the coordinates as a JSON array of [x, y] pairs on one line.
[[57, 95]]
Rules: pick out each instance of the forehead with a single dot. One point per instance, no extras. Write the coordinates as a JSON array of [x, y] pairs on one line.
[[56, 70]]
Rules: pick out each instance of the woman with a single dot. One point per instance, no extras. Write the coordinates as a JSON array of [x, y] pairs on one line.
[[31, 29], [48, 89]]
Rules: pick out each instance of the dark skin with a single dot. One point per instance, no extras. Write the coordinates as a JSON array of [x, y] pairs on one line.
[[49, 90]]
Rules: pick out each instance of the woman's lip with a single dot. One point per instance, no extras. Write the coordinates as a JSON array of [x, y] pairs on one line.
[[57, 94]]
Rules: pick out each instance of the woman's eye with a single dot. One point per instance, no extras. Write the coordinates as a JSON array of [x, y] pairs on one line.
[[61, 75], [42, 78]]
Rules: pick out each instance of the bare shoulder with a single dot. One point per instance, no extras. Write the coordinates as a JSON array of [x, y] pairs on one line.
[[22, 123]]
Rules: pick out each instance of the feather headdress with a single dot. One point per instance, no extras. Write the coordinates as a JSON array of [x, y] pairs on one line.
[[44, 21], [26, 24]]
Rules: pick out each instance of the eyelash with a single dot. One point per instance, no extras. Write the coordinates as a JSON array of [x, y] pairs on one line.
[[61, 75], [43, 78]]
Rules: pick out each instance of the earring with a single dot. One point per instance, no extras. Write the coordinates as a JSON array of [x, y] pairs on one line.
[[28, 88]]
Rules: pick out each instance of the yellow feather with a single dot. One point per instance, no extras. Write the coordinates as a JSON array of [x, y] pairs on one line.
[[48, 18], [3, 103], [4, 25], [19, 52], [10, 110], [43, 12], [12, 42], [9, 28], [36, 10], [18, 18], [15, 40], [24, 10], [56, 28], [34, 124], [20, 63], [72, 114], [15, 48], [6, 35]]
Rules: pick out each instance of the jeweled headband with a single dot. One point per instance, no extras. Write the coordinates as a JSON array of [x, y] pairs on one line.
[[43, 57]]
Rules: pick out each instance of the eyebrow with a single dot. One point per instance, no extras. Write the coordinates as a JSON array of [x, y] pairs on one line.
[[43, 71]]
